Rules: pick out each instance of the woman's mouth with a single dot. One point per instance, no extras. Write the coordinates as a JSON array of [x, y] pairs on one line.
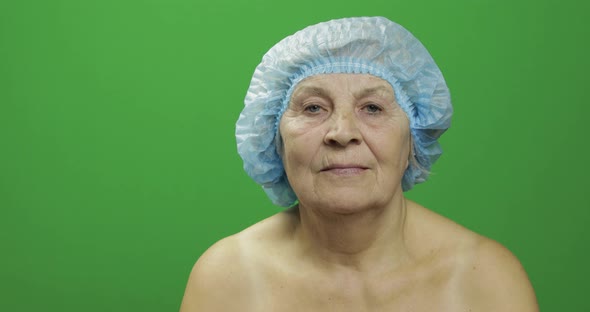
[[344, 170]]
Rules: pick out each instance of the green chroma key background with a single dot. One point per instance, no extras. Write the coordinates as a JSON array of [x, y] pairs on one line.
[[118, 164]]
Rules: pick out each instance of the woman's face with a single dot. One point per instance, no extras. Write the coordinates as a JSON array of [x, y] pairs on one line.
[[346, 142]]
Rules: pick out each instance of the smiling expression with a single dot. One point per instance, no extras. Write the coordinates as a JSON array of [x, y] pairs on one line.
[[346, 142]]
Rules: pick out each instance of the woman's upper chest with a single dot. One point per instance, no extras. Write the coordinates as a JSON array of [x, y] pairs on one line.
[[418, 289]]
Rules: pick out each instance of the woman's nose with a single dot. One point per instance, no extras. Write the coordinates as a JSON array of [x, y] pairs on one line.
[[343, 130]]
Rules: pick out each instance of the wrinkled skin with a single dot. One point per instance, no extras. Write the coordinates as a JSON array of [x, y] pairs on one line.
[[346, 142]]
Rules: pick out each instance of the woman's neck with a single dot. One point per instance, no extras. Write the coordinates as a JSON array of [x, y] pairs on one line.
[[368, 239]]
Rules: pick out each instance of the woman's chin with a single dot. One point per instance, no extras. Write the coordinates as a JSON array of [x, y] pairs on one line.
[[343, 204]]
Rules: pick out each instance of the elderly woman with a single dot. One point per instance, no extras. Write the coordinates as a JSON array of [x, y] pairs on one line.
[[340, 119]]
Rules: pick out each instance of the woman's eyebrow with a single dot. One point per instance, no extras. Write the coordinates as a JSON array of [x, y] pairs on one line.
[[379, 90], [310, 90]]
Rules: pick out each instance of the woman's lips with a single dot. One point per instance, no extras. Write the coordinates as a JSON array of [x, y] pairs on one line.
[[345, 170]]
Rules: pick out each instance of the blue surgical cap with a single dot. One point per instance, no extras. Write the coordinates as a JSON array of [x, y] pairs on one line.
[[363, 45]]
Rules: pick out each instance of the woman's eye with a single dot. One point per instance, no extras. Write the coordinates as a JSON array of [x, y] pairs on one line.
[[313, 108], [372, 108]]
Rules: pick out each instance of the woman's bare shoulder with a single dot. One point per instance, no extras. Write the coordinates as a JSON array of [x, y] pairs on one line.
[[224, 277], [218, 278], [493, 279], [488, 275]]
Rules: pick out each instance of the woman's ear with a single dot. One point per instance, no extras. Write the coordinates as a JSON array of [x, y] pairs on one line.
[[411, 160], [279, 147]]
